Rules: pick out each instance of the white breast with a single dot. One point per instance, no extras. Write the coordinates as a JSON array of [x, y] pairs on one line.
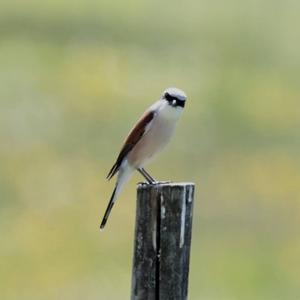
[[158, 135]]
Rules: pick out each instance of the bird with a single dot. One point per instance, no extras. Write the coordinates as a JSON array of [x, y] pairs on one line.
[[147, 138]]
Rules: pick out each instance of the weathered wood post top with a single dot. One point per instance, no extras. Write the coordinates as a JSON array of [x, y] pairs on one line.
[[162, 241]]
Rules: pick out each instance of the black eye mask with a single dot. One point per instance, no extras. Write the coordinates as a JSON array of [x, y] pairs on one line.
[[170, 99]]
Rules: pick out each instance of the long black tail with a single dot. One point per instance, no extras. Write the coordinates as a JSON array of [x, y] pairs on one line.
[[108, 209]]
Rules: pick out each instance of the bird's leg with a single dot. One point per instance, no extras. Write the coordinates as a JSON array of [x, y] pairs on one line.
[[147, 176]]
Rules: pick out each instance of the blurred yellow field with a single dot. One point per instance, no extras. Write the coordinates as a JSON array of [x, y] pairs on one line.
[[74, 77]]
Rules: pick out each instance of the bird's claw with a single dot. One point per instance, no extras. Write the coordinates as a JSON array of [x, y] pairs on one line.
[[154, 182]]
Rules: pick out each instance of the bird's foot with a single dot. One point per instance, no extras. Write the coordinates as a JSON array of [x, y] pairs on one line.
[[162, 182], [155, 182]]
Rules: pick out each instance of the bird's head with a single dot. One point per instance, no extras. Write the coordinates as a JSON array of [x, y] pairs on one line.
[[175, 97]]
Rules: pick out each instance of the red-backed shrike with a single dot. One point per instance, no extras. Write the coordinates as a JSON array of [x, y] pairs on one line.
[[146, 139]]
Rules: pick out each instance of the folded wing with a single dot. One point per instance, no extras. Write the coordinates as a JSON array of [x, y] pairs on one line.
[[132, 139]]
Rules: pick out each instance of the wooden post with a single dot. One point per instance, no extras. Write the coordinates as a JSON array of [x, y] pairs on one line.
[[162, 241]]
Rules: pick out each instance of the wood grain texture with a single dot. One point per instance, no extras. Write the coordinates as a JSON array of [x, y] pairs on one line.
[[162, 241]]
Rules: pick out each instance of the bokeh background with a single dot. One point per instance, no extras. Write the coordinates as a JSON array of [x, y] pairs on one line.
[[74, 77]]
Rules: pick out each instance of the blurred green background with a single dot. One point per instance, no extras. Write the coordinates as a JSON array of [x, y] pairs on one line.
[[74, 77]]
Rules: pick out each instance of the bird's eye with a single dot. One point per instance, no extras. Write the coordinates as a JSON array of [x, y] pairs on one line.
[[168, 97]]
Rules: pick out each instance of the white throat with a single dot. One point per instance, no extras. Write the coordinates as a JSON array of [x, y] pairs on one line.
[[169, 112]]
